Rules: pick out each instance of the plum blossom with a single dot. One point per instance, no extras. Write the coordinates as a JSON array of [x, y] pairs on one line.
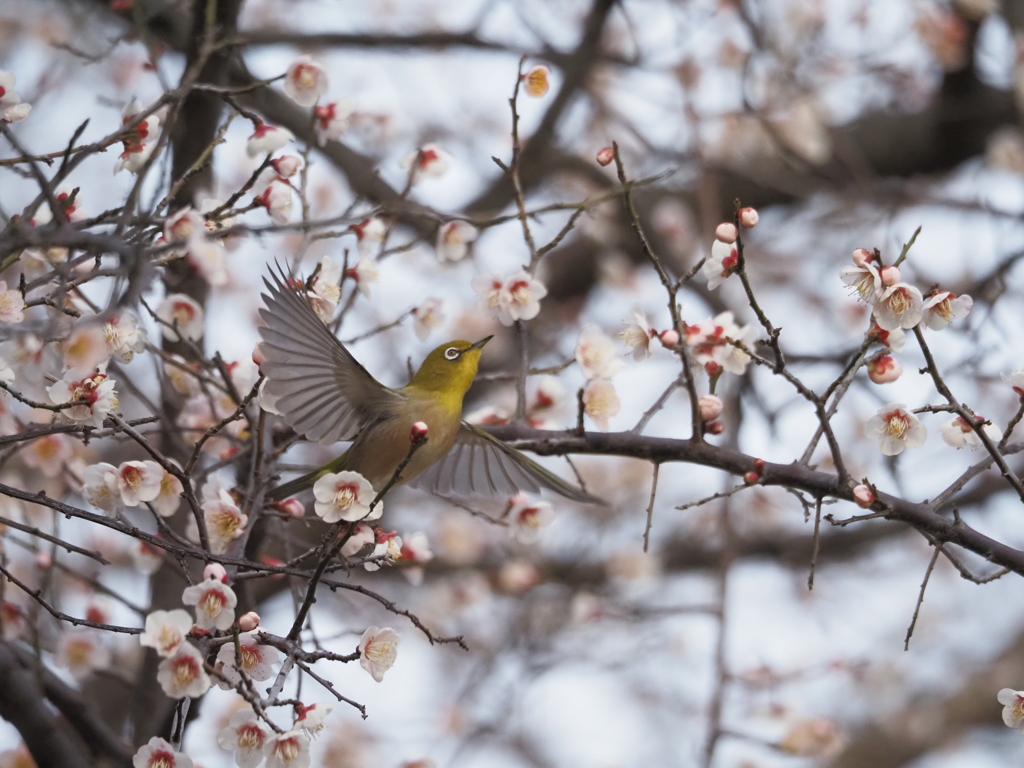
[[942, 307], [246, 736], [310, 719], [215, 603], [81, 651], [48, 454], [378, 649], [287, 750], [901, 306], [160, 754], [95, 389], [711, 341], [600, 402], [638, 335], [726, 232], [362, 536], [428, 160], [958, 433], [224, 520], [516, 297], [365, 273], [169, 498], [13, 108], [596, 354], [453, 239], [209, 258], [896, 429], [139, 481], [100, 487], [813, 737], [305, 82], [86, 348], [332, 120], [369, 234], [249, 621], [890, 275], [183, 317], [536, 81], [1013, 708], [895, 339], [326, 290], [286, 166], [344, 496], [387, 551], [145, 557], [166, 631], [1015, 381], [182, 225], [257, 660], [276, 197], [426, 317], [723, 261], [123, 336], [528, 517], [182, 674], [12, 304], [140, 141], [267, 139], [883, 369], [416, 548], [748, 217], [864, 280]]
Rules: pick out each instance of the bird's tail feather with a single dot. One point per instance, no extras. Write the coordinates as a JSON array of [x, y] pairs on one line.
[[307, 480]]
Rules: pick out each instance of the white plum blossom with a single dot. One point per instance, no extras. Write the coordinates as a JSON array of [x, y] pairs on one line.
[[139, 481], [896, 429], [123, 336], [182, 225], [723, 261], [182, 674], [13, 108], [305, 82], [596, 354], [286, 166], [209, 258], [160, 754], [344, 496], [95, 389], [1013, 708], [865, 281], [81, 651], [145, 557], [246, 736], [332, 120], [362, 536], [901, 306], [166, 631], [387, 551], [267, 139], [378, 649], [638, 334], [169, 498], [958, 433], [453, 239], [711, 341], [365, 273], [215, 603], [12, 304], [140, 141], [883, 369], [895, 339], [1015, 381], [310, 718], [101, 487], [369, 234], [428, 160], [528, 517], [426, 317], [257, 659], [183, 317], [943, 307], [600, 402], [276, 197], [287, 750], [86, 348], [326, 290]]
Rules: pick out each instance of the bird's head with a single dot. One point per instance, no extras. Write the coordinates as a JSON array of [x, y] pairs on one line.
[[451, 368]]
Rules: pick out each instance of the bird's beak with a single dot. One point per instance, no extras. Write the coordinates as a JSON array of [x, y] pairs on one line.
[[480, 344]]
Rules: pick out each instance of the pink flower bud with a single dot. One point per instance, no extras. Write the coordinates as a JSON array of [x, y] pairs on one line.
[[43, 560], [759, 465], [751, 477], [727, 232], [247, 622], [418, 433], [197, 632], [669, 339], [863, 496], [883, 369], [710, 407], [286, 166], [257, 354], [863, 256], [714, 428], [748, 217], [605, 156], [293, 507], [215, 571], [890, 275], [712, 368]]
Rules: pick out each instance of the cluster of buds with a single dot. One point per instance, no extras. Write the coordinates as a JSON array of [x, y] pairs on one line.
[[725, 251]]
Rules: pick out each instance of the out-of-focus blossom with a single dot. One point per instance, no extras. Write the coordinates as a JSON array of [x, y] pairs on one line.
[[901, 306], [638, 334], [11, 105], [813, 737], [166, 631], [958, 433], [246, 736], [100, 487], [139, 481], [287, 750], [1015, 381], [326, 289], [669, 338], [387, 551], [865, 281], [453, 239], [596, 354], [182, 225], [48, 454], [428, 160], [537, 81], [305, 82], [86, 348], [549, 393], [332, 120], [224, 521], [6, 375], [369, 234], [883, 369], [169, 498], [365, 273], [215, 603], [942, 307], [276, 197], [123, 336], [286, 166], [208, 258], [344, 496], [895, 428], [257, 659], [183, 317], [512, 298], [95, 389], [81, 651], [724, 259], [182, 674], [416, 549], [160, 754], [145, 557], [864, 496], [600, 402], [945, 34], [605, 156], [12, 304], [710, 407], [1013, 708], [177, 370], [139, 142], [517, 576], [426, 317], [378, 649], [712, 340], [528, 517], [267, 139]]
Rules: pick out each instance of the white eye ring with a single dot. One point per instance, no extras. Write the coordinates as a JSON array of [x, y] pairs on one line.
[[451, 353]]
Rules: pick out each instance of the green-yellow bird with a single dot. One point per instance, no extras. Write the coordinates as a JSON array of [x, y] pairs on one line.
[[327, 396]]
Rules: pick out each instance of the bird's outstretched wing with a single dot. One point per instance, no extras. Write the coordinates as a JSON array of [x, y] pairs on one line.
[[323, 392], [481, 465]]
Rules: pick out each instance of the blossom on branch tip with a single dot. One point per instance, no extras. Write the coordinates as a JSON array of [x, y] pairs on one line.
[[214, 601], [638, 334], [942, 307], [140, 141], [94, 389], [748, 217], [12, 304], [369, 233], [158, 753], [182, 316], [605, 156], [865, 281], [257, 660], [896, 429], [182, 674], [957, 433], [378, 649], [883, 369], [11, 105], [249, 621], [713, 343], [276, 197], [166, 631], [245, 736], [267, 139], [428, 160], [600, 402], [362, 536], [426, 317], [862, 256], [595, 353], [287, 750], [536, 81], [345, 496], [901, 306], [894, 339], [1013, 708], [286, 166], [86, 347], [310, 718], [387, 551], [453, 239], [511, 298], [889, 275], [528, 517], [332, 120], [365, 272], [305, 82], [721, 264], [726, 232], [167, 501]]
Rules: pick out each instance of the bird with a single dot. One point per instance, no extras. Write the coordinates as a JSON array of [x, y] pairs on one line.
[[324, 394]]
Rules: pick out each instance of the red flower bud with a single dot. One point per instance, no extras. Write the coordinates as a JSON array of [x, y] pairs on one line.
[[605, 156], [418, 433]]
